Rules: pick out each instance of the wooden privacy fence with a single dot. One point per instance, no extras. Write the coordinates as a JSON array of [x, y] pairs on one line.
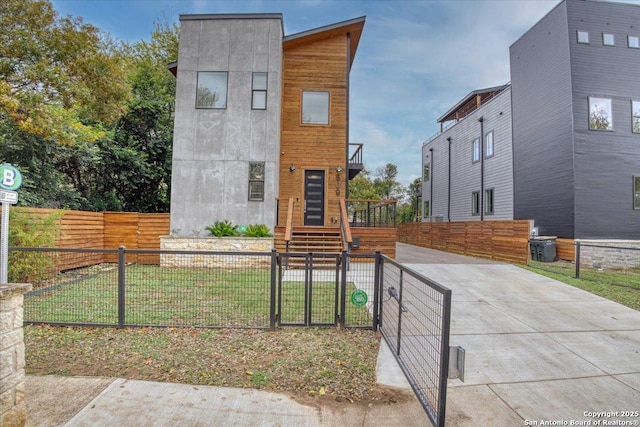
[[103, 230], [498, 240]]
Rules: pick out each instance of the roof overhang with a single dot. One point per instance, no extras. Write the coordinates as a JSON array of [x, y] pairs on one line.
[[353, 27], [470, 103]]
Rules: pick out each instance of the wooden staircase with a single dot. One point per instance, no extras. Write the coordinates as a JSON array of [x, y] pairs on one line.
[[317, 240]]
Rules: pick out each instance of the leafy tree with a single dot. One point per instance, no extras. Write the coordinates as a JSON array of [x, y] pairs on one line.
[[59, 78]]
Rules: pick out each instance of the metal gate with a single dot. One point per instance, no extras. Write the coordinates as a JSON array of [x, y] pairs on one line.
[[415, 317], [327, 289]]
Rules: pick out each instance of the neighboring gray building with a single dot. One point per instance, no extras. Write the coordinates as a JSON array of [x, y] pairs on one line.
[[227, 121], [575, 83], [572, 137], [467, 168]]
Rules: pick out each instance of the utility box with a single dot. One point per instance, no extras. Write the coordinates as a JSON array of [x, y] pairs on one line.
[[543, 248]]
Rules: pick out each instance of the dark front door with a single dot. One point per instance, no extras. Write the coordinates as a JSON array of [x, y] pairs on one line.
[[314, 198]]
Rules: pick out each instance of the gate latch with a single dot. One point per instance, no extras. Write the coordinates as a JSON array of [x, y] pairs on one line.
[[456, 363]]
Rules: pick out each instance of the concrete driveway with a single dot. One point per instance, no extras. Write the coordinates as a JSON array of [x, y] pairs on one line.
[[538, 351]]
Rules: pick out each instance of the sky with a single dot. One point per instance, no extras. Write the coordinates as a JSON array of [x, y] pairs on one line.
[[416, 58]]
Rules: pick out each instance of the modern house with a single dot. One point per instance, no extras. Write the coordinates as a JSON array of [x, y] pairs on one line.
[[262, 127], [576, 121], [467, 167], [568, 125]]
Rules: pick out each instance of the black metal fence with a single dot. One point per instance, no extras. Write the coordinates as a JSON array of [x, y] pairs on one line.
[[137, 287], [415, 321], [603, 263]]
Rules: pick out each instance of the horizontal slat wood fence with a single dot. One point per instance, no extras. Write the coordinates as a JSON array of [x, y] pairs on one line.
[[498, 240], [103, 230]]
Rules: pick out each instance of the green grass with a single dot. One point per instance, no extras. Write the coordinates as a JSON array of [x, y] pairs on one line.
[[621, 286], [179, 296]]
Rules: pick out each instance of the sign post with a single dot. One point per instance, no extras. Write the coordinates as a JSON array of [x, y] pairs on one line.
[[10, 180]]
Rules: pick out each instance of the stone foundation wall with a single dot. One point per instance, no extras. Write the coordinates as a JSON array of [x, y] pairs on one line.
[[12, 405], [610, 254], [215, 244]]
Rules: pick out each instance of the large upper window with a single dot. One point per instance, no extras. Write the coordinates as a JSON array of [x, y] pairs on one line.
[[583, 37], [425, 173], [212, 89], [488, 201], [259, 91], [488, 144], [608, 39], [256, 181], [475, 203], [315, 108], [600, 114], [475, 150], [633, 42], [635, 116]]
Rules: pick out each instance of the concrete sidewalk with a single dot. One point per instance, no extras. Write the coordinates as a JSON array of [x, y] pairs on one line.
[[537, 350]]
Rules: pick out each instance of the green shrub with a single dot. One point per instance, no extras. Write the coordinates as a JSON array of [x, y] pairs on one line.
[[257, 230], [222, 229], [28, 230]]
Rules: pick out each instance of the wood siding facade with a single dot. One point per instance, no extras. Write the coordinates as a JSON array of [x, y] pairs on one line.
[[319, 62]]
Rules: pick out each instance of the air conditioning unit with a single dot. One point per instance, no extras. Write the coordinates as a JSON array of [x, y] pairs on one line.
[[438, 218]]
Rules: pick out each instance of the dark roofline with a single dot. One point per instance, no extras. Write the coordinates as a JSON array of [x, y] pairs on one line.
[[222, 16], [329, 27], [468, 98]]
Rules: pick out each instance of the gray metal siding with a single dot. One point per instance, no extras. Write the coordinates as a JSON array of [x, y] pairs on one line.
[[542, 126], [465, 175], [605, 161]]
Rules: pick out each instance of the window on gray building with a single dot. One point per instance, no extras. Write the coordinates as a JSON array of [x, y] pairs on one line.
[[425, 173], [256, 181], [583, 37], [636, 192], [475, 150], [635, 116], [633, 42], [600, 115], [608, 39], [488, 144], [425, 209], [259, 91], [212, 89], [488, 201], [315, 108], [475, 203]]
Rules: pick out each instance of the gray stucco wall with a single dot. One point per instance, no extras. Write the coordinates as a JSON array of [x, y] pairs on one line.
[[213, 147], [465, 175]]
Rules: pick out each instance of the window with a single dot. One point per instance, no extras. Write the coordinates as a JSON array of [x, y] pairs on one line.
[[635, 116], [633, 42], [315, 108], [488, 144], [636, 192], [600, 114], [488, 201], [583, 37], [256, 181], [425, 173], [212, 89], [475, 155], [608, 39], [475, 203], [425, 209], [259, 91]]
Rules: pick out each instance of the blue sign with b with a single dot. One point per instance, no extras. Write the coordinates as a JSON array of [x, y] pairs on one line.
[[10, 177]]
